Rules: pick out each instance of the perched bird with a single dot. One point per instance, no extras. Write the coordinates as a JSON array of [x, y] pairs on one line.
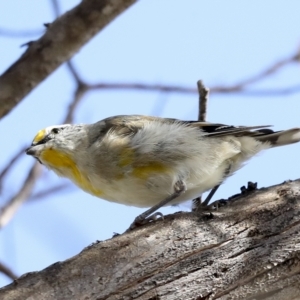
[[149, 161]]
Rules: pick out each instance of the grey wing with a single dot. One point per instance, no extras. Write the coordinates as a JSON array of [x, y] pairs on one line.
[[262, 133], [213, 129]]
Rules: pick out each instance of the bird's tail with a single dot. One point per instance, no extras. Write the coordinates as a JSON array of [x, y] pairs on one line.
[[280, 138]]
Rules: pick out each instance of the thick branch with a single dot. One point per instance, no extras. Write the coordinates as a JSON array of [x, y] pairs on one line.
[[248, 249], [62, 40]]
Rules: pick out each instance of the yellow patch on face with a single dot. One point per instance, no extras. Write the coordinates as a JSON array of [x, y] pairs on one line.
[[40, 135], [143, 172], [64, 165]]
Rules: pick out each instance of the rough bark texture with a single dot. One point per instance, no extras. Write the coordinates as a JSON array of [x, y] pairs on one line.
[[248, 249], [63, 38]]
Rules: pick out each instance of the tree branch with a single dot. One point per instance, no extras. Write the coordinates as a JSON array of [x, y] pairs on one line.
[[63, 38], [231, 89], [267, 72], [248, 249]]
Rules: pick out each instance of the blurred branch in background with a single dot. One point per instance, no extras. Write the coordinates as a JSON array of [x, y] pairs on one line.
[[239, 87]]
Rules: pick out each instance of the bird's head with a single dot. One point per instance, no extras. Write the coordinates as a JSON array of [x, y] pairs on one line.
[[50, 140]]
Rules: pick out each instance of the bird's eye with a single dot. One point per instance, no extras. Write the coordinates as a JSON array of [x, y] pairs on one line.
[[55, 130]]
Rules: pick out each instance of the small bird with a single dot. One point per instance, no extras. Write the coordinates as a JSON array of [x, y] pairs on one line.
[[149, 161]]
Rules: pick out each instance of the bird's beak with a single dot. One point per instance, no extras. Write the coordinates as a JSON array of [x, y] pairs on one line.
[[30, 151]]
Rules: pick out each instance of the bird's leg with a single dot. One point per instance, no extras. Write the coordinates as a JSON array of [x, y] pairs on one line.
[[200, 206], [204, 205], [210, 195], [145, 217]]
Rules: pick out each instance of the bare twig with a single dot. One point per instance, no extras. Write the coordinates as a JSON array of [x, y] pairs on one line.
[[9, 273], [143, 87], [233, 89], [9, 166], [7, 211], [203, 99], [267, 72]]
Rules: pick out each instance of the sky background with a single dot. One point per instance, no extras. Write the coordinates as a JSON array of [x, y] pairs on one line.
[[156, 42]]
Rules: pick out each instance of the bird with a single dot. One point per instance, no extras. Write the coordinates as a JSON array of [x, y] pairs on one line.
[[147, 161]]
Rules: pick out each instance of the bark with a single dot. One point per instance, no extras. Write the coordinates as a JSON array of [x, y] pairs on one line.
[[248, 249], [63, 38]]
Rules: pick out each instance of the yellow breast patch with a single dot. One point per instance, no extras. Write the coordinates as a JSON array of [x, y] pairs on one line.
[[64, 165]]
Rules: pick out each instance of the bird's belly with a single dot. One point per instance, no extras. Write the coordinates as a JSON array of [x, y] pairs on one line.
[[146, 193]]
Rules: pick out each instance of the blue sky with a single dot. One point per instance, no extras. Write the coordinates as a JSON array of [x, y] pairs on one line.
[[156, 42]]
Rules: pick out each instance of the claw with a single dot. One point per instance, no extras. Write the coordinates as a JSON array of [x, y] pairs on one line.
[[140, 221]]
